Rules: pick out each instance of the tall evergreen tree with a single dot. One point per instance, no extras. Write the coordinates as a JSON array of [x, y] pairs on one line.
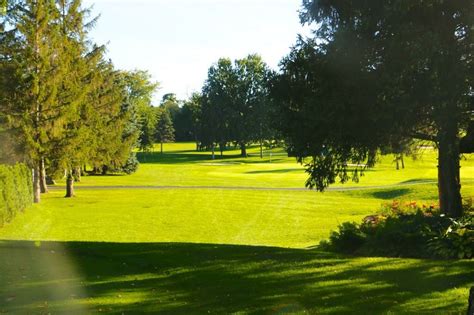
[[36, 55], [60, 99], [79, 65], [164, 127]]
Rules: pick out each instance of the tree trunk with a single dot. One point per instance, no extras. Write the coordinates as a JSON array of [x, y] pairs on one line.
[[243, 149], [261, 149], [77, 174], [42, 177], [470, 308], [69, 185], [105, 169], [449, 184], [396, 162], [403, 161], [221, 149], [213, 149], [36, 184]]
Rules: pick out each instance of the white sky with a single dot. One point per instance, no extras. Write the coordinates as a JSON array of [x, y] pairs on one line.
[[178, 40]]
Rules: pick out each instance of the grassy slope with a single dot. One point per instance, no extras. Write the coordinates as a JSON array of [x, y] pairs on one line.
[[186, 275]]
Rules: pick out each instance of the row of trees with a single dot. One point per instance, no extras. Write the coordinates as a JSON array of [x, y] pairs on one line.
[[375, 77], [63, 105], [233, 108]]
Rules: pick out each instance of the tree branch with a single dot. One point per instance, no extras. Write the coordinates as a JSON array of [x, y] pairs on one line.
[[422, 136]]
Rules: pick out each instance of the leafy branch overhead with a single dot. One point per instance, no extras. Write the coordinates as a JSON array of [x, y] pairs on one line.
[[377, 73]]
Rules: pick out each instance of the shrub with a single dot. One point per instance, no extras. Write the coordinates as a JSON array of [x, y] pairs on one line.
[[131, 165], [16, 191], [406, 230], [454, 241], [348, 239]]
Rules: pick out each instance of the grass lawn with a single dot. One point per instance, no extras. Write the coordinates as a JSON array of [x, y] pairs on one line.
[[220, 250], [182, 166]]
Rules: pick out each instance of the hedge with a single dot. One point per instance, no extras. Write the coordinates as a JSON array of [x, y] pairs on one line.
[[16, 191]]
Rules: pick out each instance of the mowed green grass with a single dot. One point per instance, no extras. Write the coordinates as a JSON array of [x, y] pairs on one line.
[[296, 219], [181, 165], [220, 250]]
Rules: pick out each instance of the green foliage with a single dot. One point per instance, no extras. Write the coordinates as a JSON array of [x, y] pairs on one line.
[[235, 103], [164, 127], [187, 121], [61, 100], [131, 165], [138, 90], [406, 231], [147, 120], [366, 79], [454, 241], [347, 239], [16, 191], [171, 104]]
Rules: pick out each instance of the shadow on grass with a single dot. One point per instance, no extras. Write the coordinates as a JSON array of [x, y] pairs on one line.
[[419, 181], [200, 278], [425, 192], [92, 174], [286, 170], [390, 193], [180, 157]]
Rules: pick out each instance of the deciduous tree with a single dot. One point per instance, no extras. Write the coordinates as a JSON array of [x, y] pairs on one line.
[[379, 72]]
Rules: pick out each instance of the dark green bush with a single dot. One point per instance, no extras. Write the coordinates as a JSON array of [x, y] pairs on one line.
[[16, 191], [454, 241], [131, 166], [406, 231], [348, 239]]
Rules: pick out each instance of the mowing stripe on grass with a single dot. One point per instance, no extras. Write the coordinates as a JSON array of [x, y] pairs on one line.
[[337, 188]]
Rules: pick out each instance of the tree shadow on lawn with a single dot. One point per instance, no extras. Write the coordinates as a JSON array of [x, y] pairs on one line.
[[276, 171], [419, 181], [395, 193], [180, 157], [184, 278], [389, 194]]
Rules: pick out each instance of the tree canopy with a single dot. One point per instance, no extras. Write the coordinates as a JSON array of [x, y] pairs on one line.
[[235, 102], [378, 72]]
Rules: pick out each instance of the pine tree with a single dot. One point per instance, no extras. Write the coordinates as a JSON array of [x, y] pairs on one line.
[[164, 127], [78, 65], [116, 123], [63, 103], [36, 56]]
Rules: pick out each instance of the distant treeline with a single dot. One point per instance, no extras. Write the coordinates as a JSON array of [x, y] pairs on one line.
[[233, 108]]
